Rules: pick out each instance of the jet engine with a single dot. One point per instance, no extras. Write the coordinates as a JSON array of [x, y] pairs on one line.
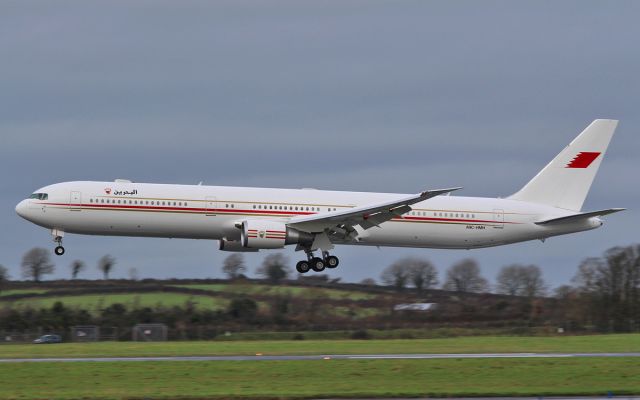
[[264, 234], [235, 246]]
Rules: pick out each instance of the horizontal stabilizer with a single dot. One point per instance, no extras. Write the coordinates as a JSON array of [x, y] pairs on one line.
[[581, 216]]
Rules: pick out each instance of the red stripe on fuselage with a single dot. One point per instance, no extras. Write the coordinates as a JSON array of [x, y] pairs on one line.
[[242, 211]]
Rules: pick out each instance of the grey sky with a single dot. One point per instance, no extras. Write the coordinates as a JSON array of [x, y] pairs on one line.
[[393, 96]]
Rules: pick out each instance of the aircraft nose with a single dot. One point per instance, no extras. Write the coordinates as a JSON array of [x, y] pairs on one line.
[[21, 208]]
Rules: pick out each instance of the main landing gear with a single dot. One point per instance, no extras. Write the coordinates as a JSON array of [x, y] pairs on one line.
[[317, 264]]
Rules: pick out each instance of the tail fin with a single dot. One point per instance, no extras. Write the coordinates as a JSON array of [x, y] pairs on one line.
[[566, 180]]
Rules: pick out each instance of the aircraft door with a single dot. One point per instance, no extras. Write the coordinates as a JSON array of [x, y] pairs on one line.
[[498, 217], [210, 206], [75, 201]]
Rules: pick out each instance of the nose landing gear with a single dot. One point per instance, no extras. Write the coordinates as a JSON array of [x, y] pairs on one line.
[[57, 237]]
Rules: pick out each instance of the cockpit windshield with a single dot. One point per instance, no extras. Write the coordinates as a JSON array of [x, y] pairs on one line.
[[39, 196]]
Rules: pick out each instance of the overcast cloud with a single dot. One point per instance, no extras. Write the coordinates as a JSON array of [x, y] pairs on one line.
[[389, 96]]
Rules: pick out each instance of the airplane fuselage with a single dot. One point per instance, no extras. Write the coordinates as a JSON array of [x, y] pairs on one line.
[[214, 212]]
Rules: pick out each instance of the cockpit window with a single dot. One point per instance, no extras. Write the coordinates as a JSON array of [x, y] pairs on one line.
[[39, 196]]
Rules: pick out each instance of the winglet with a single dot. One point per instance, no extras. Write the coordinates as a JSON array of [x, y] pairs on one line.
[[427, 194]]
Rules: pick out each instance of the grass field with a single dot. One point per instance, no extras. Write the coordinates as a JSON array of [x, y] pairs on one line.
[[22, 291], [271, 290], [482, 344], [321, 379], [95, 302]]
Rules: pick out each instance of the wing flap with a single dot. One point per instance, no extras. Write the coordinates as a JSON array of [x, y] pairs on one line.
[[580, 216]]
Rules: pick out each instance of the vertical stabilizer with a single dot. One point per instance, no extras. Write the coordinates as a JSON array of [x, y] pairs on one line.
[[566, 180]]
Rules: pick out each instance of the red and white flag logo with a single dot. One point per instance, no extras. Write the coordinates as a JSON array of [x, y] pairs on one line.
[[583, 159]]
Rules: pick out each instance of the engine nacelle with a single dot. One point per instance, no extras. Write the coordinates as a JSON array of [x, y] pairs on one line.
[[236, 246], [264, 234]]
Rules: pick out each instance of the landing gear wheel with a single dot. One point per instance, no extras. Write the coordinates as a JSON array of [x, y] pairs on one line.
[[317, 264], [303, 266], [59, 250], [332, 261]]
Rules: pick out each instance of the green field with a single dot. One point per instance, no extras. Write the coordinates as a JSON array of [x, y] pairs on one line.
[[96, 302], [482, 344], [321, 379], [271, 290], [22, 291]]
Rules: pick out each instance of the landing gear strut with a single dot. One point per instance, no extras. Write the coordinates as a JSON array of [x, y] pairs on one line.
[[317, 264]]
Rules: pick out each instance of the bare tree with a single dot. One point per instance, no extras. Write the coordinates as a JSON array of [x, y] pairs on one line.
[[105, 265], [36, 263], [509, 281], [533, 283], [464, 276], [233, 266], [564, 292], [589, 275], [396, 275], [521, 280], [4, 276], [275, 267], [422, 273], [611, 286], [368, 282], [76, 267]]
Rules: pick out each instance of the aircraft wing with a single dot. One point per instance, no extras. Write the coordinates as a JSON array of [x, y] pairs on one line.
[[366, 216], [580, 216]]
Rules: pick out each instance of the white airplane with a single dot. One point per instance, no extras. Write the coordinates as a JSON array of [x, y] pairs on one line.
[[249, 219]]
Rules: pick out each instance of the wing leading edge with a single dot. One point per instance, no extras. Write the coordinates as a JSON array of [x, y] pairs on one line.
[[366, 216]]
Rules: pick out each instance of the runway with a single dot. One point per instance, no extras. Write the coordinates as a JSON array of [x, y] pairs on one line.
[[261, 357]]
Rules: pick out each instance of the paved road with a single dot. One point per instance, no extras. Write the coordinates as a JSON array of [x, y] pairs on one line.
[[259, 357], [521, 398]]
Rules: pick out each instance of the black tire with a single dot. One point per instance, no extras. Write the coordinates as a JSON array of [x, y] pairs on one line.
[[317, 264], [59, 250], [332, 262], [303, 266]]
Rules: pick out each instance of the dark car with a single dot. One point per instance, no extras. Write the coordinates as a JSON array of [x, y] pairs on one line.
[[48, 339]]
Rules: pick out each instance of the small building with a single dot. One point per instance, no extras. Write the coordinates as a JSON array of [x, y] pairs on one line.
[[415, 307]]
